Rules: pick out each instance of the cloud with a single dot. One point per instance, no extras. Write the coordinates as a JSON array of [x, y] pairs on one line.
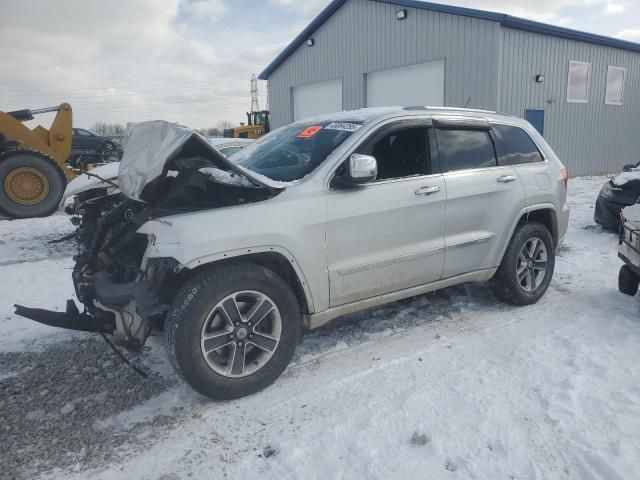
[[633, 35], [305, 6], [132, 60], [188, 61], [612, 8], [205, 8]]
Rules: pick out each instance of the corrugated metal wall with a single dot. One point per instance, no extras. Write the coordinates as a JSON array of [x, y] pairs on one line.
[[365, 36], [492, 65], [589, 138]]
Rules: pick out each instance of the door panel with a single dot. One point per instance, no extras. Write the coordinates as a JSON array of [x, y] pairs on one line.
[[385, 237], [481, 206]]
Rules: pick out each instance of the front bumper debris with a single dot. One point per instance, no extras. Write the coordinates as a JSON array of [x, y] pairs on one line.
[[72, 319]]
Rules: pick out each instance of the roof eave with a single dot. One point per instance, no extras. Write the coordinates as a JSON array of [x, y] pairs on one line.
[[316, 23], [506, 21]]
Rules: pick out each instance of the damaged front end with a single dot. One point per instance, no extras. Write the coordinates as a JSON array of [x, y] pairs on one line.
[[166, 170]]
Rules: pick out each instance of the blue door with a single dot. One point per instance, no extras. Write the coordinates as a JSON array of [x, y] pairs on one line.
[[535, 118]]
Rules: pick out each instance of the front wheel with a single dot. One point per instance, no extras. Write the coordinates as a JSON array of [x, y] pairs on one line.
[[527, 266], [232, 330]]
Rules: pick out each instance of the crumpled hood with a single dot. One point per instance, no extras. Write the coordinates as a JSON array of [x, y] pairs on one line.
[[149, 146]]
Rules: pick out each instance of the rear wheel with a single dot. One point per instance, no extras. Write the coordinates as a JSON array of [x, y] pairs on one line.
[[527, 266], [232, 330], [628, 281], [32, 185]]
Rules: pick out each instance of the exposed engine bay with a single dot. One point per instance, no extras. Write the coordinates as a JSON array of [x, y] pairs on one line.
[[124, 293]]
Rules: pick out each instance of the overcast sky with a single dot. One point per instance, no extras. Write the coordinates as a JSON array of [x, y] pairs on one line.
[[191, 61]]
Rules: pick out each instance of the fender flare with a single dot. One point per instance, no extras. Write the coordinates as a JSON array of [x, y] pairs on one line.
[[525, 211], [248, 252]]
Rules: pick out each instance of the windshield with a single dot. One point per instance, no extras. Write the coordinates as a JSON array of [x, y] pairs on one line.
[[293, 152], [259, 118]]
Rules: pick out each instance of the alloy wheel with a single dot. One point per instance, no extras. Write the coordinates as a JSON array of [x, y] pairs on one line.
[[531, 267], [241, 334]]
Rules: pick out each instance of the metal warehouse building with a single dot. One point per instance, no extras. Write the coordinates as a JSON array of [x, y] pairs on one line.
[[582, 91]]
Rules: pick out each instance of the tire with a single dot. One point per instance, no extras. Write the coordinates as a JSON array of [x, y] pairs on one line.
[[192, 314], [41, 168], [107, 148], [507, 284], [628, 281]]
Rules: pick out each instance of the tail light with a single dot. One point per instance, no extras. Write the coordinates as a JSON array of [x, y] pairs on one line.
[[565, 176]]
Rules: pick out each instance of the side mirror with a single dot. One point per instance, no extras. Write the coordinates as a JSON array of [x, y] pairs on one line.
[[629, 167], [362, 169]]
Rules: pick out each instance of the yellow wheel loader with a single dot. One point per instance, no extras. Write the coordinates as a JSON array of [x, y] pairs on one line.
[[257, 126], [33, 172]]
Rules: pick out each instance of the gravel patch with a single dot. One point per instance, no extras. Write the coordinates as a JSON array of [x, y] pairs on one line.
[[50, 403]]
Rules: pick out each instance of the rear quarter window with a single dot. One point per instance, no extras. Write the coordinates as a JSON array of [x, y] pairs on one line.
[[514, 146]]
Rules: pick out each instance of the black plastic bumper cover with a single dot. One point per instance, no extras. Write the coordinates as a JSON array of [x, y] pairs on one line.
[[610, 202], [72, 319]]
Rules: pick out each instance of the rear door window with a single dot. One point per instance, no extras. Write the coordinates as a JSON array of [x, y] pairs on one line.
[[514, 146], [462, 149]]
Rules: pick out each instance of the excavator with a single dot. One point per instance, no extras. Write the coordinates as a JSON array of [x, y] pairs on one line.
[[257, 126], [33, 168]]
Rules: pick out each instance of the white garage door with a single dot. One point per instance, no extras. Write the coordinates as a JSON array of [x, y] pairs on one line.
[[415, 85], [317, 98]]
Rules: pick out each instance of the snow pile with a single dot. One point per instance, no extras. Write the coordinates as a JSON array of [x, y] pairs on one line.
[[625, 177], [222, 176], [452, 385], [632, 213]]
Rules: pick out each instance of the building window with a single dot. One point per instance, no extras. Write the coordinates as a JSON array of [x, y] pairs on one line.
[[615, 86], [578, 89]]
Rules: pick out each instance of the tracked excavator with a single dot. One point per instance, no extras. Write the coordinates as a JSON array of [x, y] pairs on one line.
[[33, 168]]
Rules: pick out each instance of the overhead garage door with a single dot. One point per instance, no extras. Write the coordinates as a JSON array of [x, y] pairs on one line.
[[410, 86], [317, 98]]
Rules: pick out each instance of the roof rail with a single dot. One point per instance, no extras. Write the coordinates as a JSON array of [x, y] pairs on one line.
[[455, 109]]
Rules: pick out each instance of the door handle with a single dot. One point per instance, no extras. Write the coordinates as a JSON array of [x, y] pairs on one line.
[[507, 178], [427, 190]]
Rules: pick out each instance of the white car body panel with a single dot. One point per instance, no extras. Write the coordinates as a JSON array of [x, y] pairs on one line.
[[358, 248], [384, 237], [477, 206]]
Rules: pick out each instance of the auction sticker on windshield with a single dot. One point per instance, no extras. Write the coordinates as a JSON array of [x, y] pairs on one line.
[[344, 126], [310, 131]]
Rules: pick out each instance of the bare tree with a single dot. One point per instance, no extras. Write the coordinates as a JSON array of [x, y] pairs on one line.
[[108, 129], [223, 125]]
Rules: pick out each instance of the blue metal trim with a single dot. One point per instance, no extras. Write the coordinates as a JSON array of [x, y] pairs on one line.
[[504, 20], [566, 33], [437, 7], [302, 38]]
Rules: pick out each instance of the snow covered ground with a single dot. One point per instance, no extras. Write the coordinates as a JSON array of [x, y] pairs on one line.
[[447, 386]]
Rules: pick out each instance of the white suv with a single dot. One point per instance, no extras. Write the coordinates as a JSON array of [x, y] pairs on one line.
[[234, 258]]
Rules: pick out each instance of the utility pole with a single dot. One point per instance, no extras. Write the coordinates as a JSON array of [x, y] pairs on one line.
[[255, 106]]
